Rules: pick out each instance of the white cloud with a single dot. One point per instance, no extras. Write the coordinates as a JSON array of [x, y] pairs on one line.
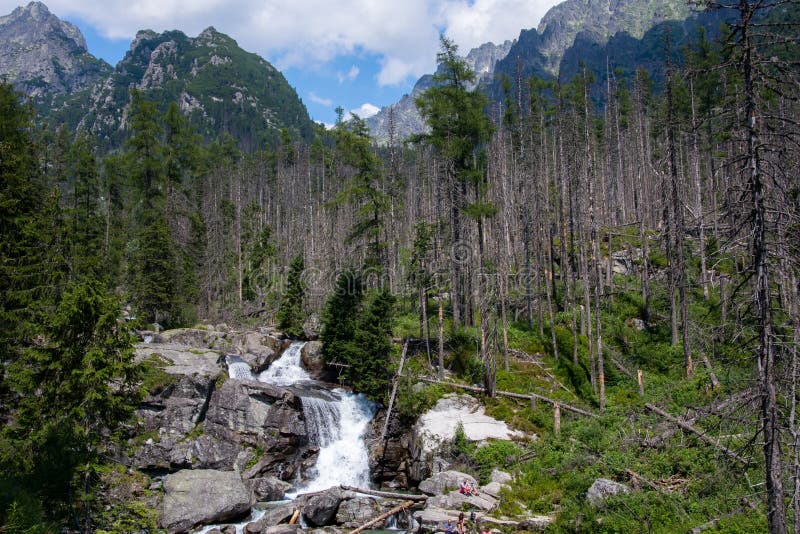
[[327, 102], [404, 35], [351, 75], [366, 111]]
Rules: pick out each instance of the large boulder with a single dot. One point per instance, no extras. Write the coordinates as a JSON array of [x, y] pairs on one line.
[[320, 509], [388, 457], [357, 511], [458, 501], [602, 488], [311, 354], [445, 482], [433, 519], [438, 425], [256, 413], [208, 452], [202, 497], [177, 408], [269, 488], [256, 349], [258, 528]]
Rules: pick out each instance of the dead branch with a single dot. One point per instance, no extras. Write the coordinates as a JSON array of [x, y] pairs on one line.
[[701, 435], [387, 494], [382, 517], [514, 396]]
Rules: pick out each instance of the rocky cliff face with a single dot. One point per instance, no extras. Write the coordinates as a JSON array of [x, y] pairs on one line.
[[42, 55], [540, 52], [219, 86], [603, 19], [396, 122]]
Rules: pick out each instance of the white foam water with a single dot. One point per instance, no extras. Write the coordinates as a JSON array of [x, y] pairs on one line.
[[288, 369]]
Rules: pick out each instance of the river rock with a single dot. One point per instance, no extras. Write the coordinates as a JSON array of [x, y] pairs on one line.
[[256, 413], [388, 457], [272, 516], [444, 482], [207, 452], [177, 408], [256, 349], [269, 488], [201, 497], [603, 488], [311, 355], [357, 511], [432, 519], [320, 509], [277, 529]]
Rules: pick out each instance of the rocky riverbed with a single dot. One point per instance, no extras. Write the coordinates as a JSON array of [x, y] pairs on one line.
[[217, 448]]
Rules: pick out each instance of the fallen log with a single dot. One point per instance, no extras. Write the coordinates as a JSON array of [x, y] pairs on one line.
[[743, 397], [701, 435], [387, 494], [382, 517], [527, 396]]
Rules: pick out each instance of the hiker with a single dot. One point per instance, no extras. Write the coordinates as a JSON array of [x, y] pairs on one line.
[[448, 527], [460, 523], [463, 488], [472, 490]]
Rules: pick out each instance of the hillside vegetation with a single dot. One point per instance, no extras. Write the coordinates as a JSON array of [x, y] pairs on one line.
[[538, 245]]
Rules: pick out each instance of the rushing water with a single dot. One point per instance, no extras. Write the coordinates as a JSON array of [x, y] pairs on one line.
[[336, 421]]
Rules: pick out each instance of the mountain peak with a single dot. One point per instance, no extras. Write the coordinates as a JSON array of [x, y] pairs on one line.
[[41, 54]]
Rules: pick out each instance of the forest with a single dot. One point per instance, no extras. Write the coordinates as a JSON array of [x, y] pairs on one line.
[[654, 230]]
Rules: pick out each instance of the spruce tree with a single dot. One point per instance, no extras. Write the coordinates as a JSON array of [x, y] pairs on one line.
[[373, 341], [290, 313], [339, 323]]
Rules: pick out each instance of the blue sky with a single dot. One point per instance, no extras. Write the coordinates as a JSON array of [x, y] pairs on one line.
[[357, 54]]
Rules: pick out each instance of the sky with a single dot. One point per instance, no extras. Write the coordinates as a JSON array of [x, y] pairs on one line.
[[357, 54]]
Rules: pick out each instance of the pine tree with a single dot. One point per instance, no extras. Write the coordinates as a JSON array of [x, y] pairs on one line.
[[373, 341], [339, 323], [290, 313]]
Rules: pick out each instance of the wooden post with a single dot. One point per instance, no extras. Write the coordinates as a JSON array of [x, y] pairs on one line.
[[556, 419], [641, 382]]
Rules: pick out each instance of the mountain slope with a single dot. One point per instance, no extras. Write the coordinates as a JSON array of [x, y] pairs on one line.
[[219, 86], [403, 116], [43, 56]]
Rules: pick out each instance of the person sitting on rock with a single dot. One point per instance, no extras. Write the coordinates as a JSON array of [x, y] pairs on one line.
[[471, 490], [448, 527], [463, 488]]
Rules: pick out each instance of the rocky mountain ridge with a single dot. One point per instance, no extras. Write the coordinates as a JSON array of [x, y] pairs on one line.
[[42, 55], [219, 86], [563, 33]]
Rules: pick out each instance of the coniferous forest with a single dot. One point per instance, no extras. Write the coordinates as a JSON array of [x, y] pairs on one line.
[[635, 243]]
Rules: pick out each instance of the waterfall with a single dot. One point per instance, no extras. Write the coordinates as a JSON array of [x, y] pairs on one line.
[[336, 421], [238, 368], [287, 369]]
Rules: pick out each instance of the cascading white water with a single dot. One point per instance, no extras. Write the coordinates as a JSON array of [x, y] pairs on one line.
[[287, 369], [238, 368], [343, 458], [336, 421]]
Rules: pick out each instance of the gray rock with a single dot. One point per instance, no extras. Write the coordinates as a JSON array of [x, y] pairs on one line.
[[500, 476], [355, 512], [311, 355], [603, 488], [182, 359], [259, 414], [272, 516], [432, 519], [256, 349], [444, 482], [493, 489], [229, 529], [202, 497], [312, 327], [207, 452], [320, 510], [457, 501], [269, 488]]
